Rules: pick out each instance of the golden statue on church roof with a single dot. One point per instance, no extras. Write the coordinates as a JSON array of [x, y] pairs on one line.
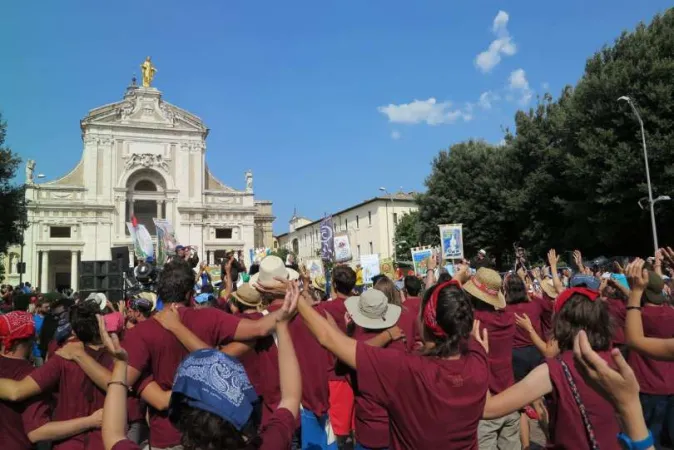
[[148, 71]]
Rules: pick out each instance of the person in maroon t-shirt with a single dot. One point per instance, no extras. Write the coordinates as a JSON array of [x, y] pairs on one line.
[[412, 289], [575, 309], [435, 399], [212, 400], [155, 351], [79, 401], [489, 305]]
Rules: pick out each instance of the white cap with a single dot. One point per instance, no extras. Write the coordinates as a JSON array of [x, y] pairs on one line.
[[482, 252]]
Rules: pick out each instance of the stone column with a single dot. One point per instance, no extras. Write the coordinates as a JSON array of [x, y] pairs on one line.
[[159, 204], [44, 282], [74, 275]]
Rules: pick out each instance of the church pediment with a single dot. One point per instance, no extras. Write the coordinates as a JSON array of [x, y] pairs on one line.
[[144, 108]]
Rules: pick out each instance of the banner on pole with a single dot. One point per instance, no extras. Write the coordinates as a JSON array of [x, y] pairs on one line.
[[451, 240], [420, 257], [342, 248], [143, 247], [314, 267], [386, 268], [370, 266], [166, 240], [327, 240]]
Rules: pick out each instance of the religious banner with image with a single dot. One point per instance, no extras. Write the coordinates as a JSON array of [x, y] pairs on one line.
[[342, 248], [370, 266], [166, 240], [420, 257], [314, 267], [451, 240], [327, 240], [386, 268], [143, 246]]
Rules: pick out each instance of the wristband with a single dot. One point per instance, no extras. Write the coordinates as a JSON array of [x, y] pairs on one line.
[[121, 383], [636, 308], [629, 444]]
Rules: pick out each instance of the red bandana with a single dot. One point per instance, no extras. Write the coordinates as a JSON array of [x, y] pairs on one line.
[[431, 309], [562, 298], [15, 326]]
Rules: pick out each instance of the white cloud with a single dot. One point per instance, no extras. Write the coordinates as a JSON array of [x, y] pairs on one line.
[[502, 45], [518, 83], [429, 111], [395, 135], [487, 98]]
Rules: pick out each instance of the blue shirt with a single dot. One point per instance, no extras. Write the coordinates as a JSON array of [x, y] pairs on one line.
[[38, 321]]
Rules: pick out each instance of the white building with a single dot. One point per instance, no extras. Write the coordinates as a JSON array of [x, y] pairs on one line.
[[145, 157], [370, 226]]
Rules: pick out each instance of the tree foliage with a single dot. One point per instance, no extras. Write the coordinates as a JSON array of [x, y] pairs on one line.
[[571, 173], [13, 217], [407, 235]]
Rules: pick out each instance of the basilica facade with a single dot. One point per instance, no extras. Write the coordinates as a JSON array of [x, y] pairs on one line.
[[142, 157]]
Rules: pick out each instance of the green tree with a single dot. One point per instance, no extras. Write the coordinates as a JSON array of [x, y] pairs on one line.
[[13, 217], [407, 235]]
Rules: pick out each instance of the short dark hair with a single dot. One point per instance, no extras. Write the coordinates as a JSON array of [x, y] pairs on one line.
[[84, 322], [412, 285], [344, 279], [581, 313], [175, 282], [515, 290], [454, 314], [201, 429]]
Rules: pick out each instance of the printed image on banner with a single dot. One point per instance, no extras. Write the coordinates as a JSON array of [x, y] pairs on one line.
[[342, 248], [386, 268], [327, 240], [144, 242], [166, 240], [314, 267], [420, 257], [370, 265], [451, 239]]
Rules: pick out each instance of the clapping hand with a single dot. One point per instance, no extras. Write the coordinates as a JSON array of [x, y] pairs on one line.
[[637, 275], [111, 342]]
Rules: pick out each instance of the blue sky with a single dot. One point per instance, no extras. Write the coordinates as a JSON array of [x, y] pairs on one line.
[[324, 101]]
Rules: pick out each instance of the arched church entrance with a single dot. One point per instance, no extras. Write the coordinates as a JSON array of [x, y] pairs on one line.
[[146, 198]]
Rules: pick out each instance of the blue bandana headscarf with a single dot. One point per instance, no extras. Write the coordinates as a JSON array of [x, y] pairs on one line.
[[212, 381]]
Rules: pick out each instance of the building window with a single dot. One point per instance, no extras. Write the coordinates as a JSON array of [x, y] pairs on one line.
[[369, 217], [395, 218], [357, 222], [346, 224], [371, 249], [359, 251], [59, 232], [223, 233]]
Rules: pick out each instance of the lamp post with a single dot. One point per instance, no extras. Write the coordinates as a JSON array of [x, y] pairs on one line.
[[22, 267], [648, 173], [388, 234]]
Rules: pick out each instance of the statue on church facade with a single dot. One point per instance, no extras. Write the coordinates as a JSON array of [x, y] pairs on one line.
[[148, 72], [30, 169], [249, 181]]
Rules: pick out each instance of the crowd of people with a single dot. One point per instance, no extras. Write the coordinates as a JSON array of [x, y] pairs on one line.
[[273, 359]]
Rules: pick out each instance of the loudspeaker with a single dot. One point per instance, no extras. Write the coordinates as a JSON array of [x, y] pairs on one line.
[[87, 268], [120, 254], [87, 283]]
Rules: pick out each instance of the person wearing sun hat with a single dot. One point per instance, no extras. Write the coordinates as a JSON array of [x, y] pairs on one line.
[[272, 267], [372, 311], [490, 310], [245, 298]]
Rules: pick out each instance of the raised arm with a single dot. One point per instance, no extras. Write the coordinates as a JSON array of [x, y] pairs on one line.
[[549, 349], [662, 349], [552, 261]]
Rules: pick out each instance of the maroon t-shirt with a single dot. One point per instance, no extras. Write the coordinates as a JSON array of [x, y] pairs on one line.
[[155, 351], [546, 316], [566, 424], [409, 323], [277, 434], [17, 419], [655, 377], [337, 310], [78, 396], [618, 311], [125, 444], [501, 328], [413, 305], [316, 363], [432, 402], [371, 420], [533, 309]]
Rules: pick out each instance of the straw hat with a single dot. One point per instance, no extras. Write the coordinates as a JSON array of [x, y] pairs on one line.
[[319, 283], [485, 286], [247, 295], [372, 310], [549, 288], [272, 267]]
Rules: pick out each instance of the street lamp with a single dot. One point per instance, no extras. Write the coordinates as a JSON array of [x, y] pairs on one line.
[[662, 198], [388, 234], [648, 173], [22, 264]]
